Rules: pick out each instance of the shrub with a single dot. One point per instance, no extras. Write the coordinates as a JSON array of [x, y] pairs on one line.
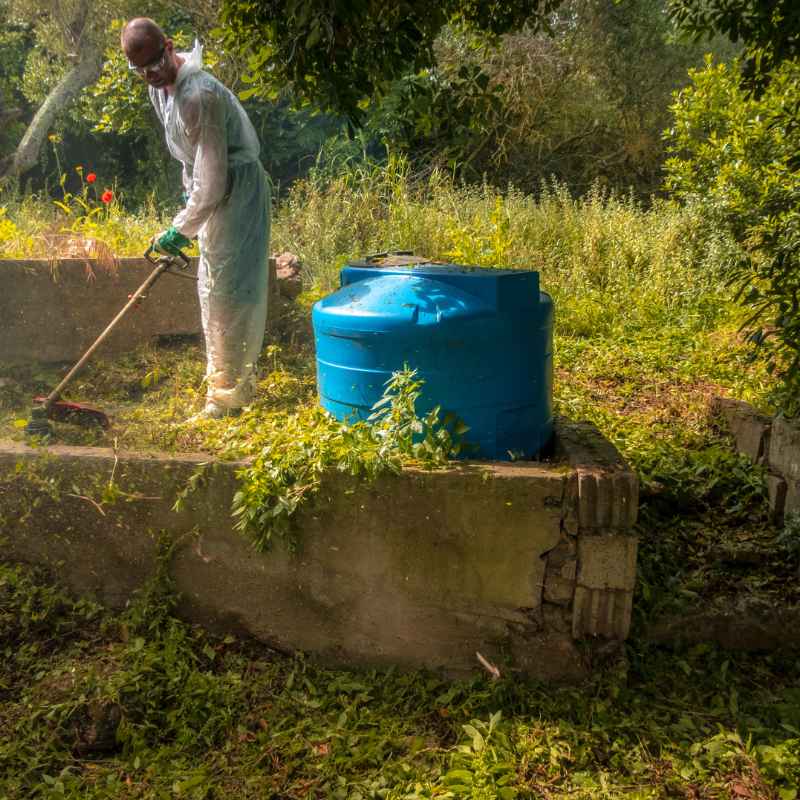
[[736, 157]]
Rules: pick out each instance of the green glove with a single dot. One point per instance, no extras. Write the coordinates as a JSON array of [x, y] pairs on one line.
[[171, 242]]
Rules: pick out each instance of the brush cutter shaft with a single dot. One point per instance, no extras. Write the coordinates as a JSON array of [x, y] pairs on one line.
[[162, 265]]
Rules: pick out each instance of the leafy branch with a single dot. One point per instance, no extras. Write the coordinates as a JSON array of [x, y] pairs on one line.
[[288, 471]]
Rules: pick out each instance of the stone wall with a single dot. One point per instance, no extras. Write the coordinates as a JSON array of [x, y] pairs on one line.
[[518, 561], [51, 311], [772, 442]]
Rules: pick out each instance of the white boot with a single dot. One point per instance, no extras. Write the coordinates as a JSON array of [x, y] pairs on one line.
[[213, 411]]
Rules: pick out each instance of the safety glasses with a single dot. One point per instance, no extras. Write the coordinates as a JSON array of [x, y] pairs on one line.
[[155, 65]]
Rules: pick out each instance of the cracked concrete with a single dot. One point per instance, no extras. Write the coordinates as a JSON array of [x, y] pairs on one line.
[[420, 570]]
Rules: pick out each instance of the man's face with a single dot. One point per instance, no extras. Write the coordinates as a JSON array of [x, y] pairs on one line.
[[154, 61]]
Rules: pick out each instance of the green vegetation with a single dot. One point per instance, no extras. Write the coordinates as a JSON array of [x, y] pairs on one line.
[[735, 156], [140, 705], [646, 333], [769, 31], [586, 99], [340, 54], [291, 460]]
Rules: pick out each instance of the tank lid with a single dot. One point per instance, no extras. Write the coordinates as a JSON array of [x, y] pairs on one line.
[[500, 289], [424, 266]]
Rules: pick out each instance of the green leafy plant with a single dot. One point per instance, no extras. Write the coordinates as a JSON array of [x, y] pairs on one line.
[[770, 31], [190, 715], [484, 767], [296, 453], [735, 156], [476, 243]]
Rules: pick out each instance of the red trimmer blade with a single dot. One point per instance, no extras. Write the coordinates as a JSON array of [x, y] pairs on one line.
[[75, 413]]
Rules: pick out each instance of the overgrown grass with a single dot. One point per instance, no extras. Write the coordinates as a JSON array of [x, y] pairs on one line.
[[76, 225], [645, 332], [645, 335], [141, 705]]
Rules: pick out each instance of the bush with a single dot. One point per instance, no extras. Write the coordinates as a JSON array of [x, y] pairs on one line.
[[736, 157]]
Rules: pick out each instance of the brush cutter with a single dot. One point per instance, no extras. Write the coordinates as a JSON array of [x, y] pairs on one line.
[[52, 406]]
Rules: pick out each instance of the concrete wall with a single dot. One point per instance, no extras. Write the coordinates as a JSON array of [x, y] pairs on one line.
[[772, 442], [519, 562], [53, 311]]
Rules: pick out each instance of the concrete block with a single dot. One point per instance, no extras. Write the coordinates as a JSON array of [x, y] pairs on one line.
[[557, 618], [607, 500], [750, 429], [607, 562], [601, 612], [559, 579], [604, 593], [560, 587], [602, 492], [289, 273], [784, 449], [776, 487], [792, 503]]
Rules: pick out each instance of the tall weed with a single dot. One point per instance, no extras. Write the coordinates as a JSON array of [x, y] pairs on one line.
[[610, 263]]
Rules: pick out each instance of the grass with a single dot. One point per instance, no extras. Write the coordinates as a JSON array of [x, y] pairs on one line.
[[645, 335], [140, 705]]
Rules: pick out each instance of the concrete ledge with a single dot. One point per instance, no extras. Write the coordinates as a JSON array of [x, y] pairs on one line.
[[784, 448], [750, 429], [420, 570], [53, 311], [748, 624]]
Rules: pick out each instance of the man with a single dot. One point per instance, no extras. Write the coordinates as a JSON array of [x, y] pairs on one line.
[[227, 207]]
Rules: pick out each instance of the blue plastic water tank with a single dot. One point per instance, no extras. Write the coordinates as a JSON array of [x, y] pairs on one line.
[[480, 338]]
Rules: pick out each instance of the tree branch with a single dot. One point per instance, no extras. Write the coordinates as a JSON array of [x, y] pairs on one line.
[[85, 72]]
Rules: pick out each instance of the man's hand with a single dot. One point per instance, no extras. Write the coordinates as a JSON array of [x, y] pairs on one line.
[[170, 242]]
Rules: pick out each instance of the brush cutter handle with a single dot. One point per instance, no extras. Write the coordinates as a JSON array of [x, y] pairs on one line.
[[162, 264], [184, 261]]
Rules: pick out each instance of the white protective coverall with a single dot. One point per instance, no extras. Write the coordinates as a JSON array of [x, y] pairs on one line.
[[228, 209]]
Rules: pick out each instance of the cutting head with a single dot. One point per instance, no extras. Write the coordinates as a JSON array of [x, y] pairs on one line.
[[74, 413]]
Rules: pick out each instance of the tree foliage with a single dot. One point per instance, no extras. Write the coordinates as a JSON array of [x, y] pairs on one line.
[[585, 102], [339, 53], [16, 38], [769, 29], [118, 109], [69, 39]]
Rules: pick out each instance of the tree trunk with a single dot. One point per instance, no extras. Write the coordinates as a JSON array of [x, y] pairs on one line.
[[85, 72]]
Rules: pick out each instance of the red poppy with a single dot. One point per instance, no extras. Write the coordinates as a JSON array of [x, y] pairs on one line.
[[91, 177], [107, 196]]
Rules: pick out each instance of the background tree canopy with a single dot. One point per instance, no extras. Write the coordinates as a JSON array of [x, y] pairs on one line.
[[769, 29], [735, 145], [577, 89], [338, 55]]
